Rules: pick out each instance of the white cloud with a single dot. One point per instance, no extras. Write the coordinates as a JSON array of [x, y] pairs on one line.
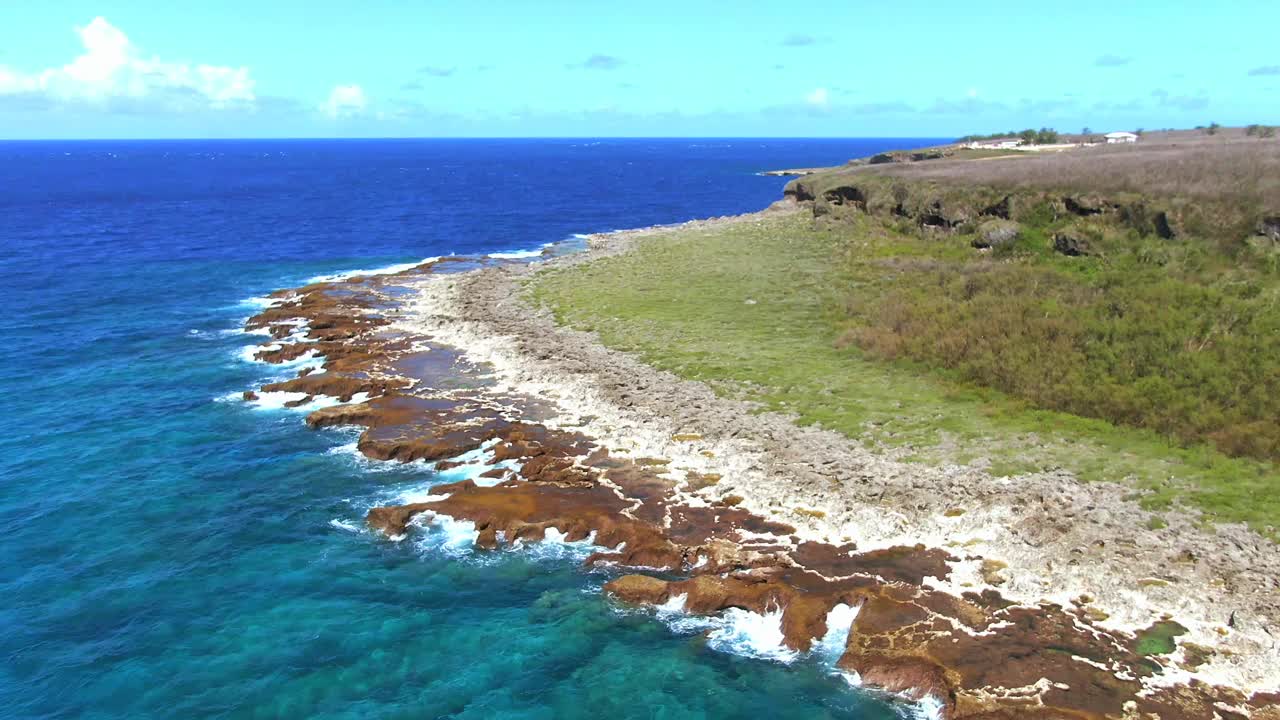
[[112, 71], [818, 98], [345, 101]]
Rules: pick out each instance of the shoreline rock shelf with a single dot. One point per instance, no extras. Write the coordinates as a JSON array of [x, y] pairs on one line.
[[441, 383]]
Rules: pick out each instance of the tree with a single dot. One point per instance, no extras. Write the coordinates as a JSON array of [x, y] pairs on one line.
[[1213, 128], [1266, 132], [1253, 130], [1086, 130]]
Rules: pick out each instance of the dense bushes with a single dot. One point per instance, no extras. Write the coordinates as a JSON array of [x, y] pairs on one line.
[[1125, 340]]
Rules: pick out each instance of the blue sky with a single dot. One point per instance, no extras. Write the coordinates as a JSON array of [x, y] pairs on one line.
[[287, 68]]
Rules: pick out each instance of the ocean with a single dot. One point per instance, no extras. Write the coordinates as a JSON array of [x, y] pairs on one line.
[[169, 552]]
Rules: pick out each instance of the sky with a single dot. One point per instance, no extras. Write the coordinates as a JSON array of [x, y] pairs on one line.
[[397, 68]]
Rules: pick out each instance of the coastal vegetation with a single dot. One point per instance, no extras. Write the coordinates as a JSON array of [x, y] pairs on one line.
[[1030, 136], [1100, 312]]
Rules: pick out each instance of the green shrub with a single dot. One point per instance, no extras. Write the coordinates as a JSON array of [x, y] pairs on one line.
[[1135, 338]]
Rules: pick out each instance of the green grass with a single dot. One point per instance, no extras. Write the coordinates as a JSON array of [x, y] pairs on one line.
[[756, 310]]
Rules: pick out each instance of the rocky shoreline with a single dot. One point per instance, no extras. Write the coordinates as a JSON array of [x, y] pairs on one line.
[[1036, 596]]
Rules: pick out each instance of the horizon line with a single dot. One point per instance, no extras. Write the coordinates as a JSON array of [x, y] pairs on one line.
[[486, 137]]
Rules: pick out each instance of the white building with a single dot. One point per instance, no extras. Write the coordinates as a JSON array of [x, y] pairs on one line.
[[1121, 137]]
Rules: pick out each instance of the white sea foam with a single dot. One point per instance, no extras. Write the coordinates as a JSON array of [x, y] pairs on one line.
[[851, 677], [388, 270], [474, 464], [351, 451], [277, 401], [673, 615], [345, 525], [927, 708], [264, 302], [555, 546], [244, 331], [247, 353], [674, 604], [751, 634], [930, 708], [519, 254], [735, 631], [839, 622], [445, 534]]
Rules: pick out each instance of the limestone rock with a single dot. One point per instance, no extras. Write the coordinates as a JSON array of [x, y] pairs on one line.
[[996, 233]]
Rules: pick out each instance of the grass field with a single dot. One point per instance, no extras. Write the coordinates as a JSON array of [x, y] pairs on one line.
[[763, 310]]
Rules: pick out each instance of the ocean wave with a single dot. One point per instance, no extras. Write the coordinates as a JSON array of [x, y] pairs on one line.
[[279, 400], [930, 708], [517, 254], [263, 302], [752, 634], [474, 464], [388, 270], [839, 623], [927, 708], [248, 353], [350, 451], [556, 546], [445, 534], [346, 525], [734, 631], [245, 331]]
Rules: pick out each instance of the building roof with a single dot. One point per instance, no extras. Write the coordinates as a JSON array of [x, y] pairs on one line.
[[1120, 134]]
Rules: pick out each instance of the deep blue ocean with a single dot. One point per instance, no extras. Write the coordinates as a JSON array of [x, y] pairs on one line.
[[167, 553]]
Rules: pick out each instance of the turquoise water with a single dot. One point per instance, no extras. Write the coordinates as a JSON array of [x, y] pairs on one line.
[[168, 553]]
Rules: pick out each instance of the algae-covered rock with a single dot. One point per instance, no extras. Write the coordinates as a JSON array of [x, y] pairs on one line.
[[638, 589]]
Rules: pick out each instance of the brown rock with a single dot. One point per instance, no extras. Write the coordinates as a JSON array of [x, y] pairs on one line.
[[638, 589], [912, 677]]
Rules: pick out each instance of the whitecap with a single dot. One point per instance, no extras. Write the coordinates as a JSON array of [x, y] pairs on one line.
[[345, 525], [555, 545], [245, 331], [388, 270], [277, 400], [351, 448], [248, 352], [839, 623], [474, 463], [264, 301], [516, 254], [351, 452], [673, 615], [445, 534], [751, 634]]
